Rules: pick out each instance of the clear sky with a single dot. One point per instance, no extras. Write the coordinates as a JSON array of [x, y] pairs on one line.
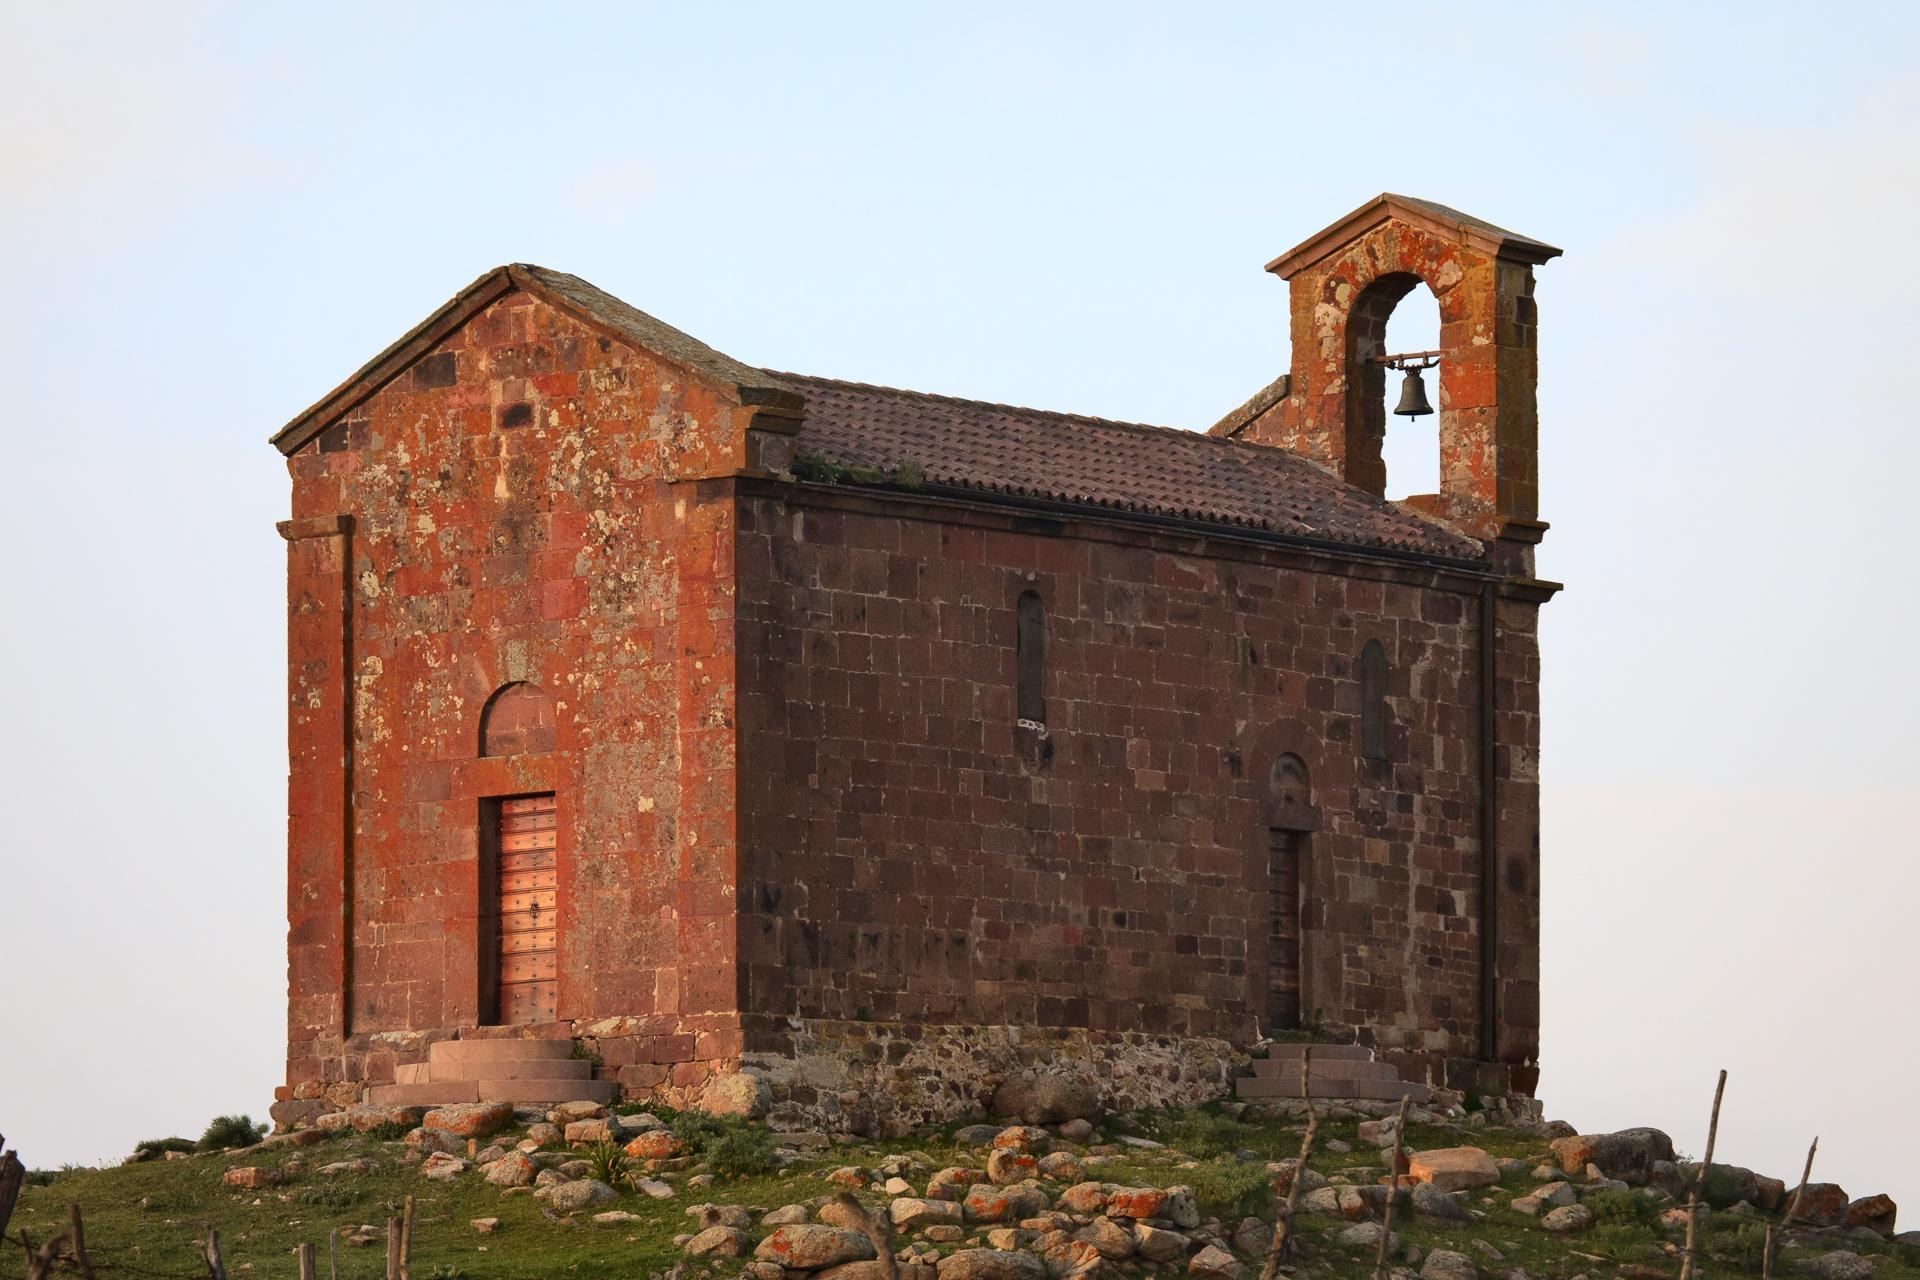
[[212, 213]]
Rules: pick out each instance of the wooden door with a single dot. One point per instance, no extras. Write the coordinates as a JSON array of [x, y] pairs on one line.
[[1283, 929], [528, 889]]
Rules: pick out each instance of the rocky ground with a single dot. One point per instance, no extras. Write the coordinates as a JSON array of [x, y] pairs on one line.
[[585, 1192]]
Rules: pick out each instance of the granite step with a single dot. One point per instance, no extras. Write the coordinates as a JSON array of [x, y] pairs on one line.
[[1283, 1087], [1292, 1052], [1348, 1067], [452, 1052], [512, 1069], [433, 1094], [536, 1090]]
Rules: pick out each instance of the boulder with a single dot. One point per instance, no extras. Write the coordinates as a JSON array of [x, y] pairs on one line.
[[566, 1113], [1077, 1130], [1453, 1168], [655, 1188], [514, 1169], [616, 1218], [764, 1271], [1045, 1097], [735, 1093], [581, 1193], [1108, 1238], [850, 1177], [470, 1119], [721, 1215], [1841, 1264], [443, 1167], [785, 1216], [951, 1183], [1627, 1155], [991, 1264], [809, 1247], [1366, 1235], [988, 1203], [1431, 1202], [1875, 1213], [1019, 1137], [485, 1226], [366, 1117], [252, 1177], [1004, 1168], [1214, 1261], [1156, 1244], [1820, 1204], [1380, 1133], [581, 1133], [1084, 1197], [869, 1269], [1567, 1218], [1252, 1238], [654, 1144], [721, 1241], [1445, 1264], [976, 1135], [365, 1164], [427, 1141], [1062, 1166], [911, 1215]]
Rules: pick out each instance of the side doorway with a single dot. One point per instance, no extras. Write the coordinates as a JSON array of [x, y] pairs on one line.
[[519, 971]]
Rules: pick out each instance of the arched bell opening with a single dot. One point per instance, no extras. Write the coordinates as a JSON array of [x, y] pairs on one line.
[[1393, 376]]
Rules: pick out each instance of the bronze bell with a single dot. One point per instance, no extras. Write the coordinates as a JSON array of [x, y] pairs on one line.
[[1413, 395]]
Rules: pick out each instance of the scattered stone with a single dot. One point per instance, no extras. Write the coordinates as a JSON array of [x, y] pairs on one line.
[[566, 1113], [1453, 1168], [1139, 1144], [616, 1218], [490, 1154], [947, 1233], [1084, 1197], [809, 1247], [852, 1177], [987, 1203], [365, 1117], [654, 1144], [580, 1193], [721, 1215], [720, 1241], [442, 1166], [765, 1271], [485, 1226], [365, 1164], [1109, 1239], [1841, 1264], [1568, 1217], [1445, 1264], [1045, 1097], [951, 1183], [1488, 1252], [470, 1119], [637, 1123], [543, 1134], [897, 1186], [735, 1093], [1157, 1244], [911, 1215], [1379, 1133], [871, 1269], [656, 1189], [1214, 1261], [1005, 1238], [1062, 1166], [785, 1216], [581, 1133], [1337, 1147], [1006, 1167], [514, 1169], [426, 1141], [551, 1178], [576, 1168], [1019, 1137], [991, 1264], [1077, 1130], [1366, 1235], [1875, 1213], [1821, 1204], [252, 1177], [1252, 1238], [1627, 1155], [1430, 1201]]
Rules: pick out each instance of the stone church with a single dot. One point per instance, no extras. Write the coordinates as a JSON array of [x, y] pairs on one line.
[[664, 726]]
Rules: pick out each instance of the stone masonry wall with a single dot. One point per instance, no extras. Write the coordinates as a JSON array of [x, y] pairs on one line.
[[512, 508], [910, 856]]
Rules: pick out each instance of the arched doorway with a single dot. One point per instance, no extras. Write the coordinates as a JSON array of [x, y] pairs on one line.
[[1291, 819], [519, 869]]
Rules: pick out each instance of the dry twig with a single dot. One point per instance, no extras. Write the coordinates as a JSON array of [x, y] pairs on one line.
[[1283, 1221], [1689, 1257], [1393, 1192]]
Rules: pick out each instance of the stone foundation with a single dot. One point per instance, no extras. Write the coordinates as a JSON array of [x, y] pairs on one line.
[[885, 1078]]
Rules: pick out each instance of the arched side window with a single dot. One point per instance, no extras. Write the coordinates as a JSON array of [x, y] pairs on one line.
[[1373, 701], [518, 719], [1287, 780], [1030, 659]]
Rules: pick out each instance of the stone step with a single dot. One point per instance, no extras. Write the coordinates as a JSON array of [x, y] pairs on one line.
[[1290, 1052], [513, 1069], [551, 1090], [1349, 1067], [1280, 1088], [437, 1094], [446, 1053]]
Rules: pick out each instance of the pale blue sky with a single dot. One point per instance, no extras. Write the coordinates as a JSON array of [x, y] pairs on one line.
[[211, 213]]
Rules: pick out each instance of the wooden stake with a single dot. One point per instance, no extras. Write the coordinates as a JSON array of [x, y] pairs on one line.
[[406, 1240], [333, 1254], [393, 1249], [210, 1252], [77, 1243], [304, 1259], [13, 1175], [40, 1261], [1393, 1193], [1283, 1219], [1793, 1207], [877, 1229], [1689, 1259]]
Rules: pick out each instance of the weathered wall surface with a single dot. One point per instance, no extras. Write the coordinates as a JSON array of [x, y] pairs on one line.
[[511, 509], [910, 856]]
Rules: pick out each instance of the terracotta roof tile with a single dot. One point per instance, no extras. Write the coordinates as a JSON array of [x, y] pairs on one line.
[[1123, 466]]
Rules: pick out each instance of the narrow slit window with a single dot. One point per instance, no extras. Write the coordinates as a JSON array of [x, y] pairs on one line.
[[1030, 650], [1373, 701]]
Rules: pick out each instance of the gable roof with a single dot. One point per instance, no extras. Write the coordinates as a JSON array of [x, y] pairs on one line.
[[1093, 462], [1437, 218], [595, 307]]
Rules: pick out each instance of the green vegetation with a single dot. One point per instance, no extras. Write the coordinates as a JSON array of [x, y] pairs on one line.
[[611, 1165], [224, 1133], [1231, 1189], [155, 1148], [821, 469]]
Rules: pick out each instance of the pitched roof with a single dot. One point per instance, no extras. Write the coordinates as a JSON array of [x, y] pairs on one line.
[[1093, 462], [1437, 218], [596, 307]]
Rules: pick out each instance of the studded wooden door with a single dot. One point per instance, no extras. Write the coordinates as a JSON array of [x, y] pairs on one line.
[[528, 887], [1283, 930]]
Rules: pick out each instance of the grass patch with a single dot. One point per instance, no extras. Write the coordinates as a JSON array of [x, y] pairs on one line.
[[225, 1133], [1231, 1189]]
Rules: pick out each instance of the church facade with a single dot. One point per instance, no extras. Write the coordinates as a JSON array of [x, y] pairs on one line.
[[863, 744]]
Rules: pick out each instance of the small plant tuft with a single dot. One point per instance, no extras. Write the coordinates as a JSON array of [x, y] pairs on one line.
[[225, 1133], [389, 1131], [155, 1148], [1627, 1207], [732, 1147], [609, 1164]]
